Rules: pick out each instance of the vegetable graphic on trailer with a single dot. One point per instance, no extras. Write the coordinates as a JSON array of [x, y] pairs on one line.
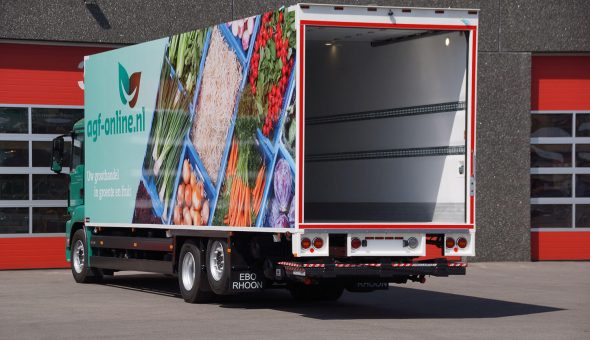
[[308, 135]]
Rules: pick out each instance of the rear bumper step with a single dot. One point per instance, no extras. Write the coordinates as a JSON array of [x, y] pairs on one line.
[[376, 270]]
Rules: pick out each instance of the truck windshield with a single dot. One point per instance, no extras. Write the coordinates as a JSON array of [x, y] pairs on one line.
[[77, 149]]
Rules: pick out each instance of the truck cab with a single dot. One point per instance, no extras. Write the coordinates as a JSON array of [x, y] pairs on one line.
[[76, 176]]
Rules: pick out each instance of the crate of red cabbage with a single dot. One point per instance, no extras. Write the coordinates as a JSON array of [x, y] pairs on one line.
[[279, 206]]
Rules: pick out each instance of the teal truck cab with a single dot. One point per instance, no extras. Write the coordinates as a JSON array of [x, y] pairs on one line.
[[76, 183]]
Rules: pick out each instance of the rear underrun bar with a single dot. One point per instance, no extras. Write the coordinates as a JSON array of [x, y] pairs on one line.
[[388, 113], [392, 153], [368, 270]]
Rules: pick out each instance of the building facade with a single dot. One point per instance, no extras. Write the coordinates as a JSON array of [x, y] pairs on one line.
[[533, 106]]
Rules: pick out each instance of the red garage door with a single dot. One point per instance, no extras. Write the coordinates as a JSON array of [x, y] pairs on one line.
[[560, 158], [40, 98]]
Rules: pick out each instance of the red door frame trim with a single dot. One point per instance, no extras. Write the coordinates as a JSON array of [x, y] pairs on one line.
[[386, 226], [302, 24]]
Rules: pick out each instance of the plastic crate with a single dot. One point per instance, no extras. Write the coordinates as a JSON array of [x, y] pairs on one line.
[[279, 125], [280, 153], [236, 43], [146, 177], [244, 61], [197, 168]]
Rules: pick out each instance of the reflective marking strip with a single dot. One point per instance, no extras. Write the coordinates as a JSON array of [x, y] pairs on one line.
[[352, 265], [322, 265], [372, 265], [423, 264], [304, 265]]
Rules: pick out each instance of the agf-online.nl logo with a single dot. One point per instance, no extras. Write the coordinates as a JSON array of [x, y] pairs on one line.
[[128, 86]]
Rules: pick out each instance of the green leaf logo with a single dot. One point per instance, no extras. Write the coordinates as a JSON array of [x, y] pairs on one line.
[[128, 86]]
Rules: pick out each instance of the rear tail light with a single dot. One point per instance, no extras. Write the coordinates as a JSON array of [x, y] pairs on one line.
[[355, 243], [450, 242], [305, 243], [462, 242], [318, 242]]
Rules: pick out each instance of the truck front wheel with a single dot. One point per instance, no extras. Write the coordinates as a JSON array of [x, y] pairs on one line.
[[190, 277], [79, 263]]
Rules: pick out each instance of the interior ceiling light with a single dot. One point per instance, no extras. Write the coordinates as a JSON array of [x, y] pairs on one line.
[[328, 43], [394, 40], [447, 41]]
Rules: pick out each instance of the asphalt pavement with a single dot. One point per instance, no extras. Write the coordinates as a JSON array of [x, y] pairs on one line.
[[548, 300]]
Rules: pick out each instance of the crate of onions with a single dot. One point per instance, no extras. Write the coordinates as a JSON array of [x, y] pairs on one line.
[[193, 192]]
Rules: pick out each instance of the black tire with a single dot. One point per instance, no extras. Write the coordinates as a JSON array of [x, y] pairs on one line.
[[218, 275], [190, 255], [302, 292], [79, 260]]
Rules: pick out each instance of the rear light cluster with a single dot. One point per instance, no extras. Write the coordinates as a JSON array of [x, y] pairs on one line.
[[355, 243], [307, 244], [461, 242]]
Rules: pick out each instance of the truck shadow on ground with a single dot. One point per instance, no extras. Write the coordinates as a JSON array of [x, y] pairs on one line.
[[396, 303]]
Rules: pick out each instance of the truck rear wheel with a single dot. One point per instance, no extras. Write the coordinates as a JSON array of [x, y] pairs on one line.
[[79, 260], [316, 292], [218, 267], [190, 277]]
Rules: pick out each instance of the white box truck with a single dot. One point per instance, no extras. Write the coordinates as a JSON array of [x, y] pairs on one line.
[[316, 148]]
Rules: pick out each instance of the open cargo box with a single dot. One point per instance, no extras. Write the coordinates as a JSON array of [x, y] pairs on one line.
[[379, 103], [387, 125]]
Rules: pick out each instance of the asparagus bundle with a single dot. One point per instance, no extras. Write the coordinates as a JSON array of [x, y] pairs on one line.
[[185, 53], [170, 125]]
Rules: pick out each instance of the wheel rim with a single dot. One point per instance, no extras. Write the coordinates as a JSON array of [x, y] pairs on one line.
[[217, 260], [79, 256], [188, 271]]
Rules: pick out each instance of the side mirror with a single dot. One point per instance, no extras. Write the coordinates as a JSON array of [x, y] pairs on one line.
[[57, 154]]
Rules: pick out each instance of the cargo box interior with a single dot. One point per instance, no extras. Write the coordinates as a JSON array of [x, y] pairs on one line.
[[385, 125]]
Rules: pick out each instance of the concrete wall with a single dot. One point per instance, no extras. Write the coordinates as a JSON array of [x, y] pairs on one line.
[[510, 31]]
